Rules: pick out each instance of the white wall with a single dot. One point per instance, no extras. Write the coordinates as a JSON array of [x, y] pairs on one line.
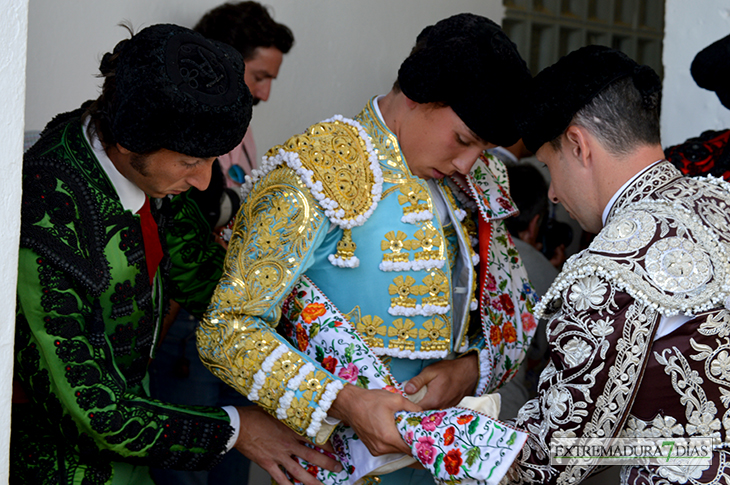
[[13, 34], [688, 110], [345, 51]]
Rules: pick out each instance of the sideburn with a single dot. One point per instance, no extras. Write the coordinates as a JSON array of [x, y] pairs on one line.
[[139, 163]]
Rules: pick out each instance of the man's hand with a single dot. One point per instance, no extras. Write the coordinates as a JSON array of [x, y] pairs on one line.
[[449, 381], [273, 446], [371, 413]]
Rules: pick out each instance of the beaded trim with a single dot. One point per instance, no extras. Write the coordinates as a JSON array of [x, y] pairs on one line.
[[319, 414], [587, 264], [331, 207]]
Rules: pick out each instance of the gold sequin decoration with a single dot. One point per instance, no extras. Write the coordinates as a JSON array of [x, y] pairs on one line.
[[370, 326], [338, 157], [436, 286], [345, 246], [285, 368], [426, 239], [395, 170], [413, 195], [434, 334], [299, 414], [395, 242], [404, 331], [403, 286]]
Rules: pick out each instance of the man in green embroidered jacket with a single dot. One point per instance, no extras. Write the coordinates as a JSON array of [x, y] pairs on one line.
[[99, 257]]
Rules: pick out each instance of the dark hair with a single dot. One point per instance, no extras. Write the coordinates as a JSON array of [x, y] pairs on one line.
[[529, 192], [245, 26], [621, 118], [169, 87], [100, 110], [454, 63]]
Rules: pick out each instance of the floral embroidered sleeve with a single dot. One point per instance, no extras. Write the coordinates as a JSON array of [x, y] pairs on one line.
[[506, 297], [276, 234], [599, 342]]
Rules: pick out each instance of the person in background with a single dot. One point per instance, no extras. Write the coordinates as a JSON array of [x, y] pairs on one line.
[[529, 193], [250, 29], [177, 374], [98, 262], [709, 153], [512, 154]]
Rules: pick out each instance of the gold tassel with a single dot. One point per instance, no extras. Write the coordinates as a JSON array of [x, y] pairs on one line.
[[346, 247]]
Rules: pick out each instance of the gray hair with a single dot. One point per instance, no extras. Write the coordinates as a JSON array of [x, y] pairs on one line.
[[621, 118]]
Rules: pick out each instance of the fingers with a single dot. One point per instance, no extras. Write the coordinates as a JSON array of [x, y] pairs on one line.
[[411, 407], [299, 473], [272, 445], [424, 377], [327, 446], [278, 475], [318, 458]]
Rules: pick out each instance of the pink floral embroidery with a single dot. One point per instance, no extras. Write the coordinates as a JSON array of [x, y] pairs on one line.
[[528, 322], [491, 283], [349, 372], [409, 437], [430, 422], [425, 450]]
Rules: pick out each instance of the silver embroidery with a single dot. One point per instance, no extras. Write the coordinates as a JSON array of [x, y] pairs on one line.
[[677, 264], [631, 232]]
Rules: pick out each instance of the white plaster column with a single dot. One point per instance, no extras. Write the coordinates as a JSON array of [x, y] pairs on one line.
[[13, 38]]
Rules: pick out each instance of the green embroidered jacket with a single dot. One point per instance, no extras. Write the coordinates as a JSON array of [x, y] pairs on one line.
[[87, 322]]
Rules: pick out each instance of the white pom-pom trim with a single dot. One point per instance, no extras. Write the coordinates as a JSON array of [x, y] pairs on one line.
[[259, 379], [331, 208], [319, 414], [352, 262], [292, 386], [411, 354], [422, 310], [414, 217], [417, 265]]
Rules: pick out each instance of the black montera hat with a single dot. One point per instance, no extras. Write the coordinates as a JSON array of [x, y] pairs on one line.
[[711, 69], [559, 91], [177, 90], [468, 63]]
